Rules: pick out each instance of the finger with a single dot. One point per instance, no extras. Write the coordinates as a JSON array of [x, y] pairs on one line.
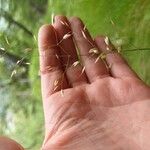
[[94, 66], [68, 52], [52, 76], [118, 65]]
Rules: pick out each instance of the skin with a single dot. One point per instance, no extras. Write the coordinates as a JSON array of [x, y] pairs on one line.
[[97, 109], [8, 144], [88, 106]]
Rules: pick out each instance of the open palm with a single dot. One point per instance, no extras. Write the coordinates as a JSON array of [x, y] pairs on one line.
[[91, 104]]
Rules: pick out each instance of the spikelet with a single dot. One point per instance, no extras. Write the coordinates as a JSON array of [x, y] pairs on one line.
[[84, 27], [56, 82], [27, 63], [3, 49], [62, 92], [66, 36], [107, 42], [7, 40], [52, 18], [18, 62], [34, 37], [48, 68], [75, 63], [64, 23], [107, 48], [83, 70], [101, 56], [55, 88], [119, 49], [28, 50], [57, 56], [94, 51], [112, 22], [109, 66], [97, 59], [83, 34], [13, 73]]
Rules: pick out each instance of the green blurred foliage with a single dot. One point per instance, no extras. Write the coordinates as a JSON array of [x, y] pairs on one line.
[[126, 22]]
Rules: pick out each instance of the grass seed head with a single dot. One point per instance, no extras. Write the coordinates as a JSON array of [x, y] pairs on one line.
[[7, 40], [76, 63], [83, 70], [13, 73], [84, 27], [56, 83], [64, 23], [107, 42], [66, 36], [49, 68], [103, 55], [107, 48], [57, 56], [97, 59], [119, 49], [28, 50], [34, 37], [112, 22], [62, 92], [109, 66], [27, 63], [52, 18], [18, 62], [3, 49], [55, 88], [94, 51], [83, 33]]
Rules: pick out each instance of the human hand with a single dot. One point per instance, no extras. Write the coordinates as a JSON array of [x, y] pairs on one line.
[[9, 144], [97, 104]]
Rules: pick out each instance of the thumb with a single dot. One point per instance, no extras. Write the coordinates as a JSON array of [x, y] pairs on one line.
[[9, 144]]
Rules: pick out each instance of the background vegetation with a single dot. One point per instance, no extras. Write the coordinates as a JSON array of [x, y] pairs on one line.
[[126, 22]]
